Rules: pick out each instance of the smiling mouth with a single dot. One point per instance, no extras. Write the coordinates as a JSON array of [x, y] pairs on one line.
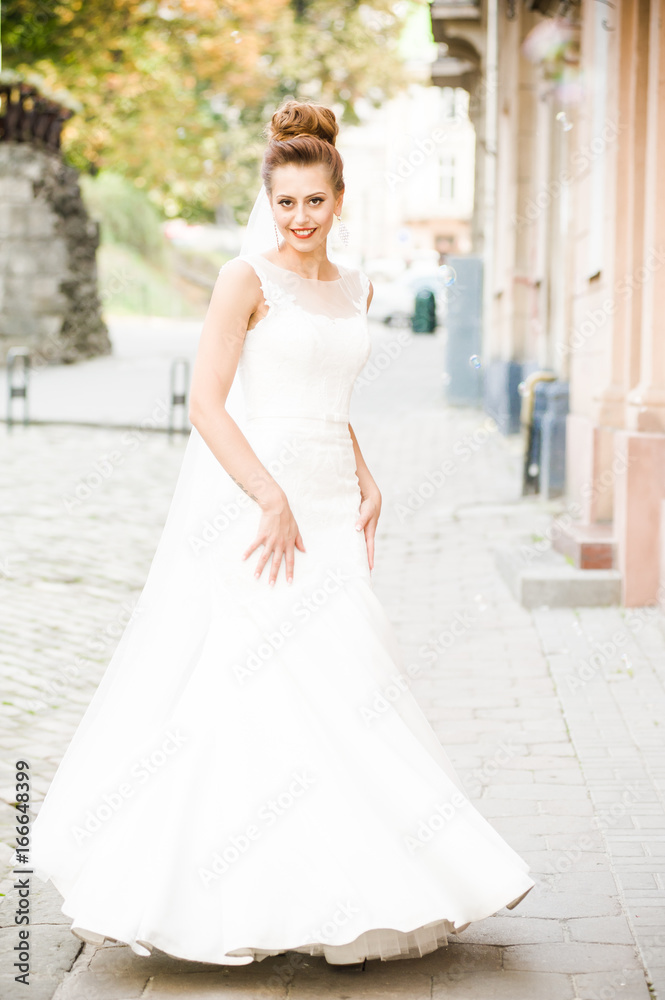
[[303, 234]]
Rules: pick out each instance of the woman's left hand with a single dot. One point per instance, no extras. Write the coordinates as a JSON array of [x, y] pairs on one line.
[[368, 516]]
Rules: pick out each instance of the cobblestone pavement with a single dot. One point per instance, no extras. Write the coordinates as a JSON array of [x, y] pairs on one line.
[[551, 717]]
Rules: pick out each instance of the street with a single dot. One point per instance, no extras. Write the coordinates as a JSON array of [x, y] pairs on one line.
[[553, 718]]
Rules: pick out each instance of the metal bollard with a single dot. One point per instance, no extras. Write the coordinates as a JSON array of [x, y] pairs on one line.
[[532, 410], [178, 397], [553, 440], [20, 390]]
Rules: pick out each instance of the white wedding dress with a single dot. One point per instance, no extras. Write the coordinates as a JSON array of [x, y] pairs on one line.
[[232, 791]]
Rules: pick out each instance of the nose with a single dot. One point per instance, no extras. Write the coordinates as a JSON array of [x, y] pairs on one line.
[[301, 217]]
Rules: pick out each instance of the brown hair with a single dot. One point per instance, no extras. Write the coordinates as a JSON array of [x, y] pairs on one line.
[[303, 133]]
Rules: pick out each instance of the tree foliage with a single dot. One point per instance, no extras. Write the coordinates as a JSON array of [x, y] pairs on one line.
[[175, 93]]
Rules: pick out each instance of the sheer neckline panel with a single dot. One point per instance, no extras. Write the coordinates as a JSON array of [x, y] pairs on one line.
[[287, 270]]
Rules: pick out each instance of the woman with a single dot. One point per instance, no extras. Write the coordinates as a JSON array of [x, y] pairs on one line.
[[231, 792]]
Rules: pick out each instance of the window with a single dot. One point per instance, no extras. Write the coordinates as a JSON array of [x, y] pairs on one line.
[[446, 177]]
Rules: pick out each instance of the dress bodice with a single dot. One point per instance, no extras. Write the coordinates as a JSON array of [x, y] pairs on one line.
[[303, 357]]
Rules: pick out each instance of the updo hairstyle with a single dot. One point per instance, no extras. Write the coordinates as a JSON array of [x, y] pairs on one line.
[[303, 133]]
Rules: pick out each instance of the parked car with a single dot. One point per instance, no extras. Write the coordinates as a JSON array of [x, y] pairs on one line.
[[394, 301]]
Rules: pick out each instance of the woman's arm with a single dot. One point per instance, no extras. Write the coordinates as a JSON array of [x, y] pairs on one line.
[[370, 506], [235, 298]]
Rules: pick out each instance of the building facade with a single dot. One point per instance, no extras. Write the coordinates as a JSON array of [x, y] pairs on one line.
[[570, 218], [409, 174]]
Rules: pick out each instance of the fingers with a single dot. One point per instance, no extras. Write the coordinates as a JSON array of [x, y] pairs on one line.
[[289, 560], [263, 559], [290, 556], [367, 521], [366, 514], [273, 546], [369, 538], [253, 547], [275, 564]]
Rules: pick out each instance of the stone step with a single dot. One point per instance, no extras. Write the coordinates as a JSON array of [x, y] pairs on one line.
[[539, 576], [590, 546]]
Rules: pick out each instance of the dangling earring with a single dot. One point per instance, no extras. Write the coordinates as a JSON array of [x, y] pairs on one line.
[[344, 234], [276, 232]]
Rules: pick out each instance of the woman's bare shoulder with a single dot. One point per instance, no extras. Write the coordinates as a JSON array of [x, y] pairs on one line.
[[239, 268]]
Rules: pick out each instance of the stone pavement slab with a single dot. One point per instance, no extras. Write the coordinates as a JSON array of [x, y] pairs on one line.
[[551, 762], [609, 672], [53, 948]]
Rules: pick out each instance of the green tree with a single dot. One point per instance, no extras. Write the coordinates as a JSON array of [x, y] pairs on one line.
[[175, 92]]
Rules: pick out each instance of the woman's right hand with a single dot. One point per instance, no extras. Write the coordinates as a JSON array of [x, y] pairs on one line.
[[279, 535]]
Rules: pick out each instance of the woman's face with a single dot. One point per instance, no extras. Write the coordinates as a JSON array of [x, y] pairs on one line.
[[304, 203]]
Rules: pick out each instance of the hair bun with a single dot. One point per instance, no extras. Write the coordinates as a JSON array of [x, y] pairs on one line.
[[303, 118]]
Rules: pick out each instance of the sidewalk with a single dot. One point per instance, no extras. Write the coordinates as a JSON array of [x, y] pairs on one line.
[[553, 717], [128, 388]]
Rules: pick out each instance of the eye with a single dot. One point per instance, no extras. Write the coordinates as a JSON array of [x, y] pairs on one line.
[[317, 199]]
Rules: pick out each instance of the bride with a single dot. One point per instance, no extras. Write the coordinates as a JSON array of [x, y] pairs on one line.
[[231, 793]]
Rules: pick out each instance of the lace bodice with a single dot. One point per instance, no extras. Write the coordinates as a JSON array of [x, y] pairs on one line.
[[302, 358]]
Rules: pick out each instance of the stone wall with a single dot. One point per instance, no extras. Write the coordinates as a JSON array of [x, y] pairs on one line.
[[49, 301]]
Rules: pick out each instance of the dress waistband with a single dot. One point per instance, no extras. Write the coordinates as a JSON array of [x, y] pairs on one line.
[[342, 418]]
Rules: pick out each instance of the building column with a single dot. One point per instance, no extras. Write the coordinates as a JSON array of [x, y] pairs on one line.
[[638, 524], [646, 402], [592, 423], [629, 213], [640, 489], [511, 292]]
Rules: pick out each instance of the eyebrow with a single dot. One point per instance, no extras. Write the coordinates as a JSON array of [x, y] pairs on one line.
[[315, 195]]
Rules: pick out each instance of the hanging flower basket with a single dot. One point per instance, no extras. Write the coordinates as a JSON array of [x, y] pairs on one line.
[[554, 45]]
